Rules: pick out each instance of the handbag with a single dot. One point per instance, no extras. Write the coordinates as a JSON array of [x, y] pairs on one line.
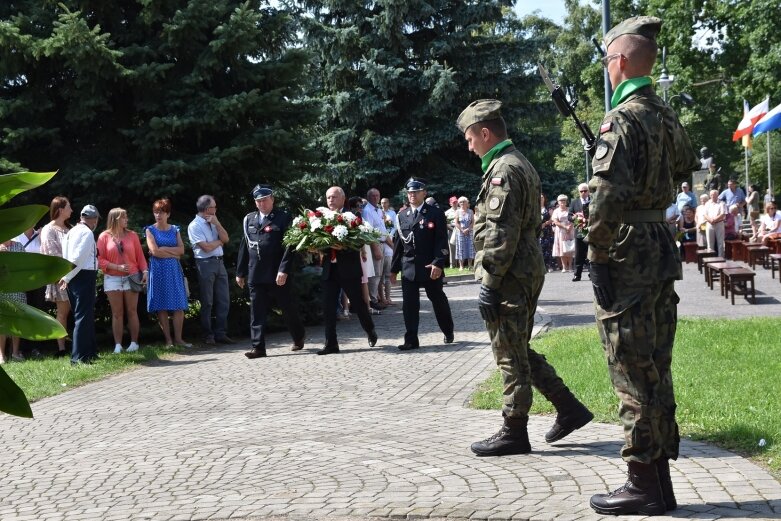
[[136, 282], [453, 237], [568, 246]]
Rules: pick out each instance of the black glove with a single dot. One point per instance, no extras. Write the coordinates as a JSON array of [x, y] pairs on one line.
[[603, 288], [488, 302]]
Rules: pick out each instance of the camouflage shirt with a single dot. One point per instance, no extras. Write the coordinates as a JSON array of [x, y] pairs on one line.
[[508, 218], [642, 154]]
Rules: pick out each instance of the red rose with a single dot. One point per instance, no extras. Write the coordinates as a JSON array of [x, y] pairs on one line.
[[318, 214], [310, 213], [357, 221], [302, 225], [430, 225], [339, 218], [328, 228]]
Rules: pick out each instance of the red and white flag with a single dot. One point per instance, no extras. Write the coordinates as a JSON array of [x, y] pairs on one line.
[[746, 125]]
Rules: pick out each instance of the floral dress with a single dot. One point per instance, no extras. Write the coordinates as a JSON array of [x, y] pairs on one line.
[[465, 246], [51, 244], [560, 234], [546, 240], [16, 296]]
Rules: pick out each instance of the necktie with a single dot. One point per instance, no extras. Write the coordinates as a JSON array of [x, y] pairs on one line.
[[414, 215]]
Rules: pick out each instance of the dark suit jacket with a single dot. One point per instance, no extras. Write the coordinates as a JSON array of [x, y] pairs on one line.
[[577, 206], [263, 256], [349, 262], [429, 244]]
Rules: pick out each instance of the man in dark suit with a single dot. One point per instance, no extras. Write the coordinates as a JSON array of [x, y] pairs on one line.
[[267, 264], [419, 253], [342, 271], [580, 205]]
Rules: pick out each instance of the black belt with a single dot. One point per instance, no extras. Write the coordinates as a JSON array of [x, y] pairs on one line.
[[643, 216], [218, 257]]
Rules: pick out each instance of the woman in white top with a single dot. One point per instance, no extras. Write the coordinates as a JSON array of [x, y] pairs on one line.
[[563, 233], [51, 244], [769, 224]]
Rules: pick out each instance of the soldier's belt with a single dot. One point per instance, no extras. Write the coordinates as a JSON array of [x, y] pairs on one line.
[[643, 216]]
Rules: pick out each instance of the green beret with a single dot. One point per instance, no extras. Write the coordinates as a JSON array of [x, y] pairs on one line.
[[648, 26], [477, 111]]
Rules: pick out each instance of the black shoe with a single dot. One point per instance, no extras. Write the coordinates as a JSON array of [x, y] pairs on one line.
[[225, 340], [406, 346], [641, 494], [512, 438], [257, 352], [449, 338], [328, 350], [209, 341], [298, 345], [372, 335], [576, 278], [571, 415]]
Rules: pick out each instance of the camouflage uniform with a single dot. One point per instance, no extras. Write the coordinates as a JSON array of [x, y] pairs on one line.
[[509, 260], [642, 154]]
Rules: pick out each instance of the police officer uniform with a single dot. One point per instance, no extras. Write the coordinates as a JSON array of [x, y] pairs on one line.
[[421, 241], [261, 257]]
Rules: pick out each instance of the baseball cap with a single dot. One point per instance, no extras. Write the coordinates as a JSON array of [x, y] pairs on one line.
[[90, 212]]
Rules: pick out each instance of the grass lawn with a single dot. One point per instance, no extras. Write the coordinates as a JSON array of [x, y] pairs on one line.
[[50, 376], [726, 373], [452, 272]]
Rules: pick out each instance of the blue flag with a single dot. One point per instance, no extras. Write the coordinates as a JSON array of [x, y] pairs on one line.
[[770, 121]]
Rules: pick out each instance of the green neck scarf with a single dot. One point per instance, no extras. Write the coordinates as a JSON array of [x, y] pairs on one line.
[[489, 156], [627, 87]]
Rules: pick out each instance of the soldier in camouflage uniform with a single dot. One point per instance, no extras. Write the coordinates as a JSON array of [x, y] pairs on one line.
[[510, 267], [642, 153]]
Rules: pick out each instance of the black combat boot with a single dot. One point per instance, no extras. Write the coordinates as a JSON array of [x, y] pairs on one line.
[[571, 415], [641, 494], [512, 438], [663, 469]]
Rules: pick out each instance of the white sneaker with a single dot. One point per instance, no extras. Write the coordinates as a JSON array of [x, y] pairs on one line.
[[117, 349], [132, 348]]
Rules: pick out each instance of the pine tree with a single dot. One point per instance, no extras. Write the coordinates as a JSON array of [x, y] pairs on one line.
[[393, 77], [134, 100]]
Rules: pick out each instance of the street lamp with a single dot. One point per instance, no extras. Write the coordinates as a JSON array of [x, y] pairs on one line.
[[665, 81]]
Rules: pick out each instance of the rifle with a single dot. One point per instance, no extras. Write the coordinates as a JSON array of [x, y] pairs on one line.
[[557, 95]]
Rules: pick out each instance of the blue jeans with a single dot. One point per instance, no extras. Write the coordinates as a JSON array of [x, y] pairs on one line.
[[213, 280], [81, 292]]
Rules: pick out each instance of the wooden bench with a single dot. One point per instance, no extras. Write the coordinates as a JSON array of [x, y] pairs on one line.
[[701, 254], [775, 259], [736, 281], [713, 272], [732, 249], [690, 252], [757, 254]]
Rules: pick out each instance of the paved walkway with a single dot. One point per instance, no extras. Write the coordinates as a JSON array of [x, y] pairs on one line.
[[371, 432]]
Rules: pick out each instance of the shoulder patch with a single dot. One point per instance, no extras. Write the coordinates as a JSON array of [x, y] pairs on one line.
[[493, 203], [601, 151]]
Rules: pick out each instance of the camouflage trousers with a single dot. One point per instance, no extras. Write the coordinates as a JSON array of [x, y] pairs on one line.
[[520, 366], [638, 346]]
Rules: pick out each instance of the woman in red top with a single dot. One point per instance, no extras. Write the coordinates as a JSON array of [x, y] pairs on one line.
[[119, 257]]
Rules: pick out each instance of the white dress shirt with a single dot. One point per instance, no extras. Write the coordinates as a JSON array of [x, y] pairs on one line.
[[78, 247]]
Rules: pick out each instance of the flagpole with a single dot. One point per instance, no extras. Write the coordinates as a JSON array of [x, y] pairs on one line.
[[769, 177], [745, 157]]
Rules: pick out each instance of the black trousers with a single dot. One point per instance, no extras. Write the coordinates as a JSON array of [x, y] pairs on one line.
[[410, 292], [262, 296], [581, 251], [81, 292], [352, 287]]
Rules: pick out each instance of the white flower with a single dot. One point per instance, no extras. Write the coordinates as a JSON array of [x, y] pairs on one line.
[[297, 220], [315, 223], [367, 227], [348, 217], [340, 231]]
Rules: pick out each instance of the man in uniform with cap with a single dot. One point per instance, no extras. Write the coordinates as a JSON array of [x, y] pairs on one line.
[[419, 253], [641, 153], [267, 264], [511, 271], [79, 247]]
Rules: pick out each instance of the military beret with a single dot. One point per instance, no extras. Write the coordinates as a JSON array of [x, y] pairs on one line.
[[648, 26], [477, 111], [262, 191], [415, 184]]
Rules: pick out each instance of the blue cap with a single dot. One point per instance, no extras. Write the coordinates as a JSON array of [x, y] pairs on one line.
[[415, 184], [262, 191]]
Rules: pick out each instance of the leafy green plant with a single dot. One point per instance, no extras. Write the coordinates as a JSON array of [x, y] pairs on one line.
[[22, 272]]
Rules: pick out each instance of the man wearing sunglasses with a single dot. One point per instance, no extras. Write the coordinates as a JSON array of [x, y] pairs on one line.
[[641, 153]]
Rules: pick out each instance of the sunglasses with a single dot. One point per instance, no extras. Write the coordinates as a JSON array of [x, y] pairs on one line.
[[607, 59]]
